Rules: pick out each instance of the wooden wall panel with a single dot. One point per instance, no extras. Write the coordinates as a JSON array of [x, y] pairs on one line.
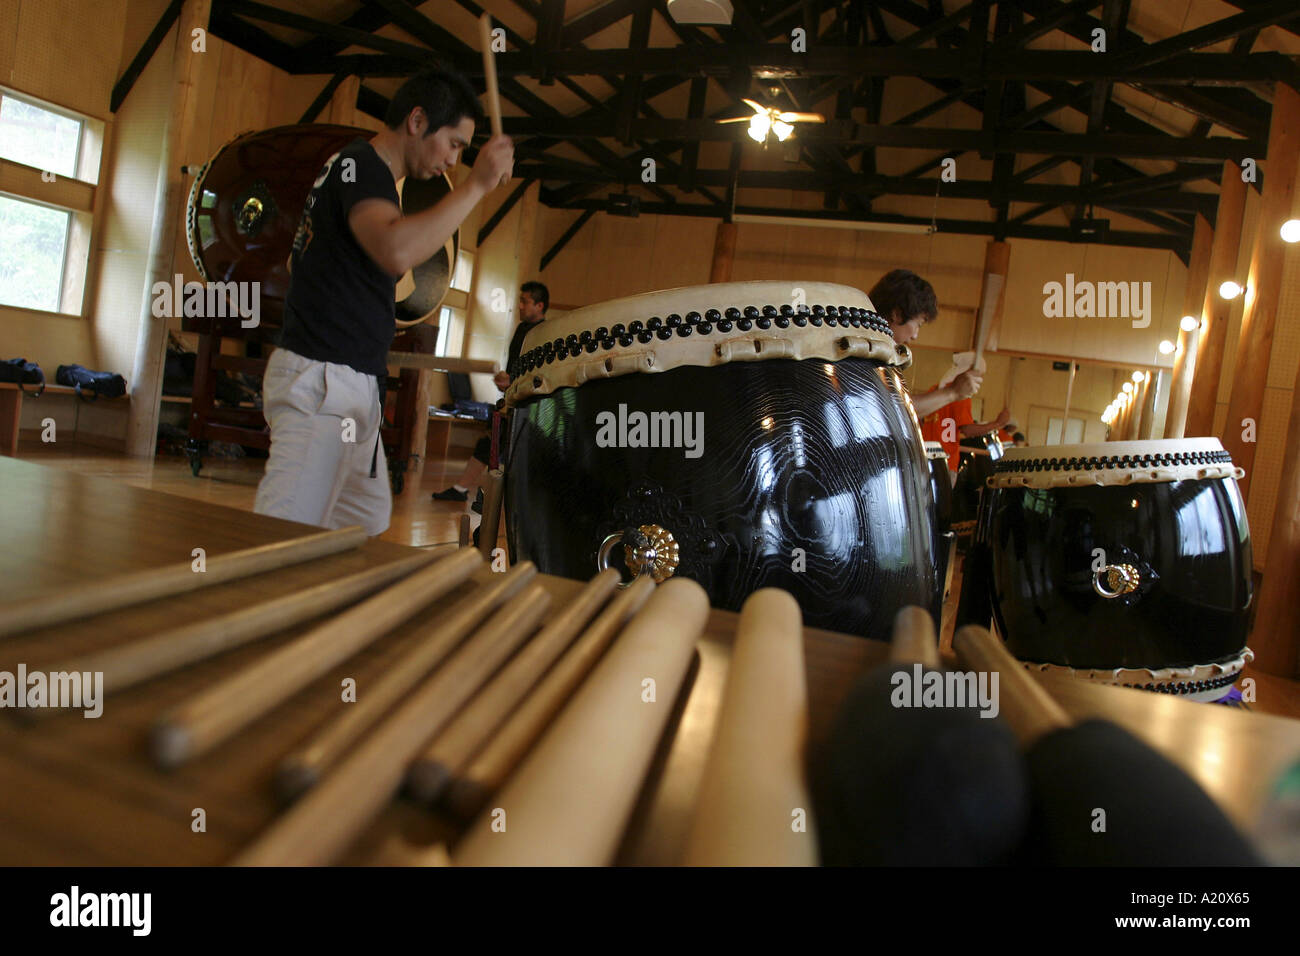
[[67, 51]]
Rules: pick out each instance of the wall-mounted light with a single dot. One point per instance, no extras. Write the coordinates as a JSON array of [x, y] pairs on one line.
[[1166, 347], [1128, 388], [1230, 290], [1138, 376], [1291, 230], [1189, 323]]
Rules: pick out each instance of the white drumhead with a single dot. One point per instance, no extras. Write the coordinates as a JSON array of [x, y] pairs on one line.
[[790, 320], [1113, 463]]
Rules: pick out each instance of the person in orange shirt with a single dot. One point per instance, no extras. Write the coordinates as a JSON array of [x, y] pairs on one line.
[[909, 302]]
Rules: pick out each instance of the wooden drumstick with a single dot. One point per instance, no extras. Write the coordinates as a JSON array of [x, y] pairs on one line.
[[914, 641], [490, 71], [493, 764], [108, 594], [396, 851], [141, 660], [570, 800], [223, 709], [455, 745], [330, 816], [754, 807], [304, 767], [1028, 709]]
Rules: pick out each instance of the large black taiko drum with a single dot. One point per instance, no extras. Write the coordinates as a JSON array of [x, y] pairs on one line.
[[1126, 562], [941, 523], [719, 433]]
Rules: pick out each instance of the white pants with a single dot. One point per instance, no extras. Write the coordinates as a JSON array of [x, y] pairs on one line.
[[324, 421]]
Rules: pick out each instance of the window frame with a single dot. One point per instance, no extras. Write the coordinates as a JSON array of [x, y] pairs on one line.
[[57, 111]]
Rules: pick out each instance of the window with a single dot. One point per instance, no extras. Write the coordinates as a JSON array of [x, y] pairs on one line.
[[35, 136], [464, 271], [450, 331], [33, 254], [45, 220]]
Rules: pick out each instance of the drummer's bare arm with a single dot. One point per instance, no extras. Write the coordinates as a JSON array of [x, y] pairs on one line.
[[963, 386], [398, 243], [975, 429]]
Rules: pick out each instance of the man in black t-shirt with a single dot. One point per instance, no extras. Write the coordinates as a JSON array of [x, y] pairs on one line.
[[321, 389], [534, 299]]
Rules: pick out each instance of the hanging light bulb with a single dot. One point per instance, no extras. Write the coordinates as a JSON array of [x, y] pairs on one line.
[[1189, 323], [1291, 230], [1166, 347], [759, 125], [1229, 290], [782, 130]]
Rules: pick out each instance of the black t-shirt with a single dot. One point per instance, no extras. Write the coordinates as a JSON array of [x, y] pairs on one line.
[[517, 346], [340, 306]]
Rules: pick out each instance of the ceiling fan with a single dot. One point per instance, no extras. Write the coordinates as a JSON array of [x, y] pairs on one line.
[[770, 120]]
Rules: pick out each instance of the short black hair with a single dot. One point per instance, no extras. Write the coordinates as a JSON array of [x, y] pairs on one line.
[[1018, 436], [904, 292], [445, 96], [539, 292]]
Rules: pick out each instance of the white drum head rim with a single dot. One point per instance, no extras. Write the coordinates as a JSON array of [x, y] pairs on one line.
[[826, 341], [1114, 463]]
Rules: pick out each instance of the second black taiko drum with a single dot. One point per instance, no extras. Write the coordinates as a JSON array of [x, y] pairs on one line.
[[725, 434]]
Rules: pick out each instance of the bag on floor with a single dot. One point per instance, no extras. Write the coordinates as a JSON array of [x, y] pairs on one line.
[[99, 384], [22, 372]]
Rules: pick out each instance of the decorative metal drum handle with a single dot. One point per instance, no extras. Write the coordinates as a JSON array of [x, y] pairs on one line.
[[1115, 580], [250, 213], [654, 552]]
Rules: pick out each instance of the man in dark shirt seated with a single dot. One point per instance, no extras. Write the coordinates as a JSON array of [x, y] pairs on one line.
[[534, 299], [321, 391]]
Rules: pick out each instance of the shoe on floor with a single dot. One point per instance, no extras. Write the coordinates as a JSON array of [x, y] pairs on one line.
[[450, 494]]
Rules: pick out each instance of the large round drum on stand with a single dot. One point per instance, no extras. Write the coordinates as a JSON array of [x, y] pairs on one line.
[[976, 465], [941, 529], [247, 200], [719, 433], [1126, 563]]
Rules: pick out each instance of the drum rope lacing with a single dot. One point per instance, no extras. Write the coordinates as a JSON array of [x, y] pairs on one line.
[[1172, 459], [591, 341]]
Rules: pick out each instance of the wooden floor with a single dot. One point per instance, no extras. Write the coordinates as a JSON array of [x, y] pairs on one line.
[[418, 520]]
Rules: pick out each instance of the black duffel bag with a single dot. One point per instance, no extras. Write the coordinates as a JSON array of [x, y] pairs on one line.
[[101, 384], [22, 372]]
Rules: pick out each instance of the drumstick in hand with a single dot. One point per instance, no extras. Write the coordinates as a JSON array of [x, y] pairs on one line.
[[490, 71], [490, 76]]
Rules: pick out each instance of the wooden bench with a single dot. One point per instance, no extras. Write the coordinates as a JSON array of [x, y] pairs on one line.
[[11, 410]]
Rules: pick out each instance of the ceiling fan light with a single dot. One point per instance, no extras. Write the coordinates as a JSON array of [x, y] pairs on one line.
[[759, 125], [782, 130]]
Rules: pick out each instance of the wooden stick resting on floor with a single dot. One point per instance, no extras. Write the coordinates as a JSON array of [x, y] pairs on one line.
[[141, 660], [468, 791], [224, 708], [440, 363], [493, 490], [914, 641], [451, 749], [108, 594], [326, 820], [569, 801], [754, 788], [1029, 710], [303, 768]]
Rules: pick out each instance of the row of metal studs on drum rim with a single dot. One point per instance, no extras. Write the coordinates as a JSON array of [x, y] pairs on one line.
[[664, 329], [1115, 461]]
